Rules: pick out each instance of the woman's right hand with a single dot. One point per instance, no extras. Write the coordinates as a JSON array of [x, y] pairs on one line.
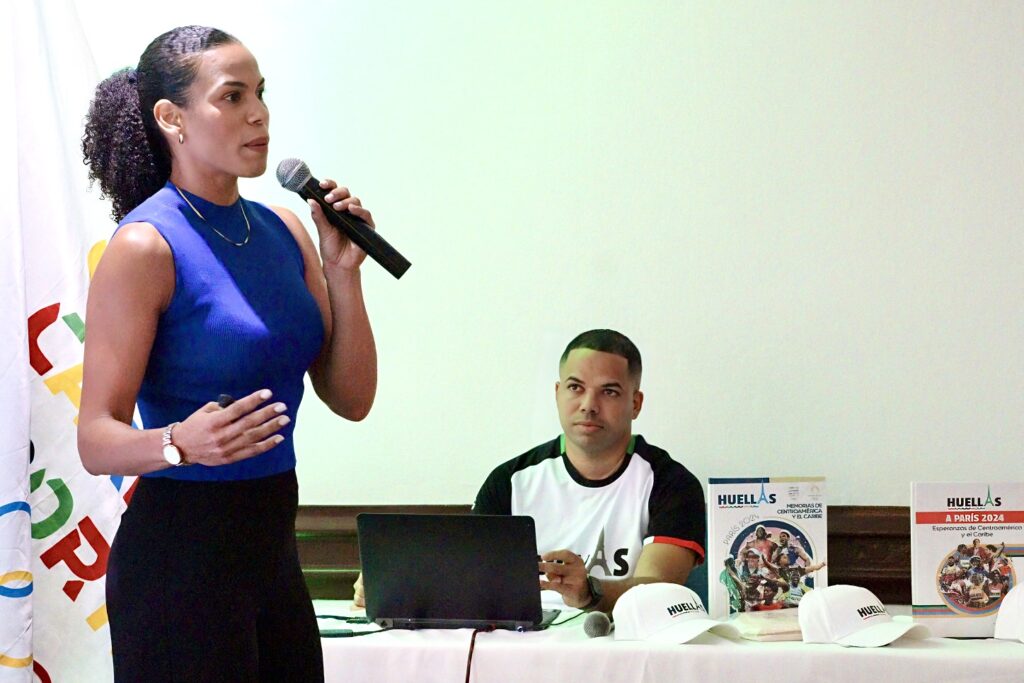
[[217, 436]]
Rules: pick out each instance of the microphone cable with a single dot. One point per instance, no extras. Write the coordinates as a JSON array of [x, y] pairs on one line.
[[472, 646], [567, 619], [488, 629]]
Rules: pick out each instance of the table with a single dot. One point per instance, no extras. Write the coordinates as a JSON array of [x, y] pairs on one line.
[[564, 653]]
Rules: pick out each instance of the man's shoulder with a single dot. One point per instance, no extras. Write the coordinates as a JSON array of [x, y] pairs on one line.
[[659, 459], [537, 455]]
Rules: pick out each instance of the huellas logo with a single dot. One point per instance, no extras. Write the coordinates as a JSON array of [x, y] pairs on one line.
[[972, 503], [871, 611], [737, 500], [683, 608]]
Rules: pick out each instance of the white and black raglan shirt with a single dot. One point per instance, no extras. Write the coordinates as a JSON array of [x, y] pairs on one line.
[[650, 499]]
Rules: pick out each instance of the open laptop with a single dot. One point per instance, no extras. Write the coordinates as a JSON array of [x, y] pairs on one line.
[[451, 571]]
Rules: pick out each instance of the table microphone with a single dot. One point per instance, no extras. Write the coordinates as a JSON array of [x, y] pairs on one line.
[[294, 175], [597, 624]]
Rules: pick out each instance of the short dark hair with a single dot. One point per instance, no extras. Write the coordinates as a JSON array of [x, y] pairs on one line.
[[122, 145], [607, 341]]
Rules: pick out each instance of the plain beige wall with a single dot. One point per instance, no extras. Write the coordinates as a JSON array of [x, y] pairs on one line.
[[807, 215]]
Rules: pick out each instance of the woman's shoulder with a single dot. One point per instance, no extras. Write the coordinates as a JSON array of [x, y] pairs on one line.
[[297, 231], [291, 221], [138, 259], [140, 239], [156, 205]]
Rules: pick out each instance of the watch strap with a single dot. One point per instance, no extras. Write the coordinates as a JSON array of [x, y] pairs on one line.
[[166, 438], [596, 594]]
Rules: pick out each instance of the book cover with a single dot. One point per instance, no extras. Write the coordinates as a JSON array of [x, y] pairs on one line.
[[767, 540], [966, 551]]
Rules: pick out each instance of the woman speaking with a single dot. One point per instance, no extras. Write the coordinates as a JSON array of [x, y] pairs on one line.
[[204, 294]]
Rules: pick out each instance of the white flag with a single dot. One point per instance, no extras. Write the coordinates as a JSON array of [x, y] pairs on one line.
[[15, 542], [63, 229]]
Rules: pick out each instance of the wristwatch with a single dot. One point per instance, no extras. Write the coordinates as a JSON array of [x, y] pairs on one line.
[[596, 593], [171, 453]]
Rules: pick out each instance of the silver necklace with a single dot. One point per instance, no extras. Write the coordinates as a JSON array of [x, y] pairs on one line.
[[248, 228]]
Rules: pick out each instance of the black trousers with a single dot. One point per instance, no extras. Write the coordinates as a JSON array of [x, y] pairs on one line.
[[203, 584]]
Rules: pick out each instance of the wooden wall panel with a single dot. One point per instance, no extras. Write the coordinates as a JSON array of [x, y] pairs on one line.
[[868, 546]]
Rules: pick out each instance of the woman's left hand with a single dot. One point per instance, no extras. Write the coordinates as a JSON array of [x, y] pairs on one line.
[[336, 249]]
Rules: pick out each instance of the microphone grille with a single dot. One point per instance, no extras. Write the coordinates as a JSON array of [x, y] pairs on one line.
[[293, 174], [597, 624]]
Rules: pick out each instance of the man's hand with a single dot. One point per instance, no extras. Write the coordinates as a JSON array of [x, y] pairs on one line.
[[565, 573], [359, 595]]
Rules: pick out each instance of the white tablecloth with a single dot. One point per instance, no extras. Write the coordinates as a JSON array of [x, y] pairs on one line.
[[564, 653]]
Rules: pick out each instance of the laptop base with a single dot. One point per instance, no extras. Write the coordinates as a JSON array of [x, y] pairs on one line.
[[548, 616]]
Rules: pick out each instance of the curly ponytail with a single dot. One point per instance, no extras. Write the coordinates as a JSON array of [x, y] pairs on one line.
[[116, 148], [124, 148]]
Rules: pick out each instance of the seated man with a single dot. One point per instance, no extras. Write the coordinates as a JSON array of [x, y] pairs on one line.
[[611, 510]]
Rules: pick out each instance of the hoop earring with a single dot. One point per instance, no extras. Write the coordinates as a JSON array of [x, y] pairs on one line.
[[181, 138]]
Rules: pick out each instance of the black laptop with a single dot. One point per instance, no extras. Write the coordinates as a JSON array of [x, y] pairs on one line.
[[451, 571]]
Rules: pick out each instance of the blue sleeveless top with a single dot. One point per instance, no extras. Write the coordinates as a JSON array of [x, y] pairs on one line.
[[241, 319]]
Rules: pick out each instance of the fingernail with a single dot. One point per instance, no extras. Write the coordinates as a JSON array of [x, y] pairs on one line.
[[280, 408], [278, 439], [283, 420], [265, 394]]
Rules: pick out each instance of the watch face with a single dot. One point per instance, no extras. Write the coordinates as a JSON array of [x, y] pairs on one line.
[[172, 455]]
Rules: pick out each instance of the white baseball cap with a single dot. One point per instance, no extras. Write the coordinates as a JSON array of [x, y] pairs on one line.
[[1010, 618], [852, 616], [664, 613]]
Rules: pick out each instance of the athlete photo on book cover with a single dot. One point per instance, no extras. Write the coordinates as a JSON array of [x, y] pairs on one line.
[[770, 566], [975, 576]]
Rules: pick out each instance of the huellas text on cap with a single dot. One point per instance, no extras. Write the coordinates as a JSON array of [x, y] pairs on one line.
[[683, 608], [871, 611]]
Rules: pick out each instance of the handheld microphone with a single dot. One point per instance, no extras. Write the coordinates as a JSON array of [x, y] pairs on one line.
[[294, 175], [597, 624]]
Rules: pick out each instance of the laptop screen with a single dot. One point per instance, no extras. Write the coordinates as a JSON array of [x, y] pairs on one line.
[[450, 571]]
